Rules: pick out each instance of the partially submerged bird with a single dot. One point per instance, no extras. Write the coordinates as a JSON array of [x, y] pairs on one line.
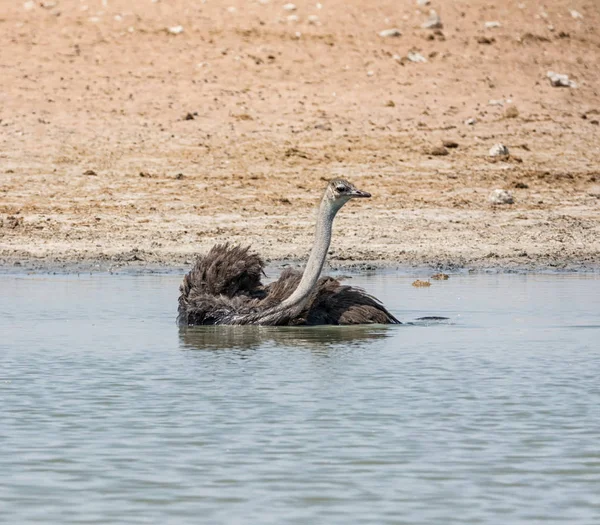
[[224, 286]]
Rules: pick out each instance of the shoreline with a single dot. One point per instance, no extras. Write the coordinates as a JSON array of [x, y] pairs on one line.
[[50, 265]]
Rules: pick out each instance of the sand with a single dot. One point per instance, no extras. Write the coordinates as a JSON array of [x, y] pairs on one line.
[[123, 144]]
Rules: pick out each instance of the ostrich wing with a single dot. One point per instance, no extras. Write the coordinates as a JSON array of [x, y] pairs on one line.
[[219, 284]]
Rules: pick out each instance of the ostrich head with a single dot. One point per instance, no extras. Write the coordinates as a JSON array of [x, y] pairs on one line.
[[340, 191]]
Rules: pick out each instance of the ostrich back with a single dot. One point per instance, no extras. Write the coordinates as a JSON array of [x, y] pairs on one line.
[[224, 287]]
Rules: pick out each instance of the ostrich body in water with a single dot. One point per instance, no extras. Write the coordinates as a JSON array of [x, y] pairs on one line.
[[224, 286]]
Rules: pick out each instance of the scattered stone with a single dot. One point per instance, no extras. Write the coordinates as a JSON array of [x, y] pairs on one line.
[[520, 185], [575, 14], [501, 197], [48, 4], [179, 176], [413, 56], [175, 30], [289, 7], [390, 104], [145, 175], [499, 150], [511, 112], [295, 152], [438, 151], [423, 3], [90, 173], [492, 25], [421, 284], [471, 121], [292, 18], [13, 222], [394, 32], [493, 102], [485, 40], [190, 116], [370, 73], [558, 80], [433, 22], [449, 144], [440, 277], [28, 6], [314, 20]]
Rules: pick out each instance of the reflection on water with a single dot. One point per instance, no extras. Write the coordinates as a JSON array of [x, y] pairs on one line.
[[111, 415], [249, 337]]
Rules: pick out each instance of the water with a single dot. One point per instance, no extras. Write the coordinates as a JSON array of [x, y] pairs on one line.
[[111, 414]]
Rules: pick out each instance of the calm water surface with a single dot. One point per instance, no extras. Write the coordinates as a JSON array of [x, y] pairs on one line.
[[112, 414]]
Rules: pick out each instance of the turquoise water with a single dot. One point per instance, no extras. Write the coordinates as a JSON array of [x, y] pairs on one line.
[[113, 414]]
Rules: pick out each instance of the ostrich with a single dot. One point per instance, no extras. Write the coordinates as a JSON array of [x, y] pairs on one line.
[[224, 286]]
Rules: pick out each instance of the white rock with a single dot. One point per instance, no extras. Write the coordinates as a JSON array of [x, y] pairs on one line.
[[433, 22], [413, 56], [423, 3], [499, 150], [558, 80], [319, 5], [28, 6], [94, 19], [521, 5], [289, 7], [175, 30], [492, 25], [313, 19], [575, 14], [501, 197], [118, 18], [397, 57], [471, 121], [493, 102], [292, 18], [370, 73], [390, 32], [231, 9], [48, 5]]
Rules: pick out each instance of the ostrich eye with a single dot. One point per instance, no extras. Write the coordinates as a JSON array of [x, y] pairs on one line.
[[341, 188]]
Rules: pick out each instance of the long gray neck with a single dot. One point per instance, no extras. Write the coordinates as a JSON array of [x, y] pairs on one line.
[[294, 303], [317, 257]]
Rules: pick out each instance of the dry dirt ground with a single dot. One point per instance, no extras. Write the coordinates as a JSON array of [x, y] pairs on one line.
[[122, 143]]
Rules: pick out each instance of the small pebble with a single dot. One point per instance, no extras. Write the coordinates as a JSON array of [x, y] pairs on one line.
[[558, 80], [501, 197], [511, 112], [471, 121], [493, 102], [450, 144], [423, 3], [28, 6], [175, 30], [313, 19], [575, 14], [421, 284], [499, 150], [433, 22], [289, 7], [492, 25], [413, 56], [437, 151], [370, 73], [440, 277], [386, 33]]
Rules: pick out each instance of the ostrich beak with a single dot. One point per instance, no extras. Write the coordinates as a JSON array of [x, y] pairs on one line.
[[360, 194]]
